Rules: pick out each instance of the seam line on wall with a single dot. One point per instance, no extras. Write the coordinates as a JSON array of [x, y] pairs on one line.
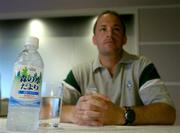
[[160, 43], [172, 83]]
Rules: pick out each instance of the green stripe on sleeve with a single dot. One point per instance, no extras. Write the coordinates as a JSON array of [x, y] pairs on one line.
[[148, 73], [70, 79]]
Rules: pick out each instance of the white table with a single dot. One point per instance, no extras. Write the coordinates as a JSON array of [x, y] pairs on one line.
[[71, 128]]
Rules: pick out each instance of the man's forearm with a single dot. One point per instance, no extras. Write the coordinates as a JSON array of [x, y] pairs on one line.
[[157, 113], [67, 113]]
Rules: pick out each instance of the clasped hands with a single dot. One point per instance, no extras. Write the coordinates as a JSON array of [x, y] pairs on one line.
[[96, 110]]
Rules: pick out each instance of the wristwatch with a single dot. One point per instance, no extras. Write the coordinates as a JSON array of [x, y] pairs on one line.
[[129, 116]]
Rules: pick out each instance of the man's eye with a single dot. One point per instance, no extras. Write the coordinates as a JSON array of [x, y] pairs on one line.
[[103, 29], [117, 29]]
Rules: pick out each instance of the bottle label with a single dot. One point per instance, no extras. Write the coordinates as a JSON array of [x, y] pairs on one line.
[[26, 86]]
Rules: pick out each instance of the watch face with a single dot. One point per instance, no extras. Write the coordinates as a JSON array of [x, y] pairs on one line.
[[130, 116]]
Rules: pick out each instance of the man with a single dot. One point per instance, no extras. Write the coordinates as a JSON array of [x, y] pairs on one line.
[[117, 88]]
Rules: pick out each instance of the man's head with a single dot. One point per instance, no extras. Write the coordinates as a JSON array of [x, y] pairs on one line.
[[112, 13], [109, 34]]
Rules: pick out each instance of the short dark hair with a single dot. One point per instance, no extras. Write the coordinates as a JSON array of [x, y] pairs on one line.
[[112, 13]]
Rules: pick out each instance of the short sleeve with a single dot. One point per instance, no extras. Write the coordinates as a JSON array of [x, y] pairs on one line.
[[154, 91]]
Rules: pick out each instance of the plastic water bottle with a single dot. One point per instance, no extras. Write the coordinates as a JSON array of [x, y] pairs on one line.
[[24, 102]]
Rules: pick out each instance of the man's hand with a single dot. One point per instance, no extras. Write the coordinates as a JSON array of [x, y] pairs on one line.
[[96, 110]]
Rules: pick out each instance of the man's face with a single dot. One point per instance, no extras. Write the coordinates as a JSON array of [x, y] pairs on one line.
[[109, 37]]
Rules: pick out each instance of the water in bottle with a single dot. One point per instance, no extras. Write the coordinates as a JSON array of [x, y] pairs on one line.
[[24, 102]]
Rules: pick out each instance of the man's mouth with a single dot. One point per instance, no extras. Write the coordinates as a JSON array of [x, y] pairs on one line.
[[108, 41]]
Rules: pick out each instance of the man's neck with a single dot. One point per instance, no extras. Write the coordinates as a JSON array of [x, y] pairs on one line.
[[110, 62]]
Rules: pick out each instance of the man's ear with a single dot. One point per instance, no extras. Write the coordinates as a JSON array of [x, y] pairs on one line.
[[94, 40], [124, 39]]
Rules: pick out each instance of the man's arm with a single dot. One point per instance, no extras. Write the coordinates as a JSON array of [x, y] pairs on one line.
[[96, 111], [67, 113], [156, 113]]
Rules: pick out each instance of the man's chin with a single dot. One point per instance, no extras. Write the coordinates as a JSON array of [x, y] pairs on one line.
[[110, 52]]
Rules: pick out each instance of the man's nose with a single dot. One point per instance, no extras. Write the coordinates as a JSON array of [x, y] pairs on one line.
[[109, 32]]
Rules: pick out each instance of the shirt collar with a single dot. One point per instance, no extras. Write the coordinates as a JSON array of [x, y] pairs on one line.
[[97, 64], [126, 59]]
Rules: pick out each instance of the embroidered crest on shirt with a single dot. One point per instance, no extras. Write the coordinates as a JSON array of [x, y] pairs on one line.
[[129, 84]]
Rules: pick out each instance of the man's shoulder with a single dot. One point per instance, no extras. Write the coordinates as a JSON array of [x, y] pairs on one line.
[[138, 59], [83, 67], [143, 60]]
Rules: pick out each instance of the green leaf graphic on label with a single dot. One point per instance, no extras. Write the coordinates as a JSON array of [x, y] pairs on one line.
[[25, 71]]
